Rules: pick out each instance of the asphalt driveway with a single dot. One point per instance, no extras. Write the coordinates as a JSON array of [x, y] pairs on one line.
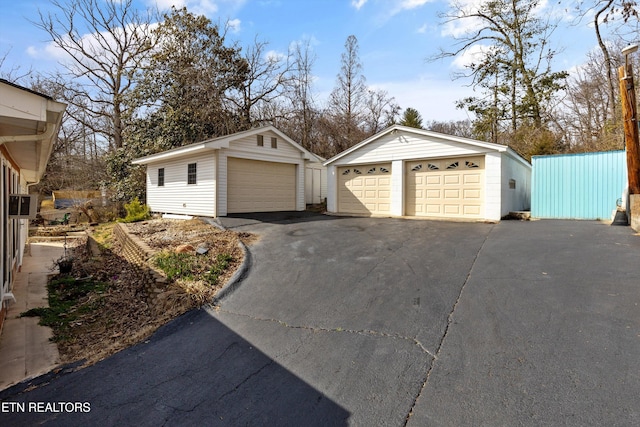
[[362, 321]]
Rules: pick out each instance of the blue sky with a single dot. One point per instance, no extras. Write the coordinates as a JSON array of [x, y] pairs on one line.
[[395, 39]]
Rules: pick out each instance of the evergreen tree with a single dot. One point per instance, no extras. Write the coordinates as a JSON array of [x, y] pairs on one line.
[[411, 118]]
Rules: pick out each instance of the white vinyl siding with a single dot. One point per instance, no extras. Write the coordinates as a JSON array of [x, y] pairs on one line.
[[518, 198], [493, 182], [406, 146], [178, 197], [248, 146]]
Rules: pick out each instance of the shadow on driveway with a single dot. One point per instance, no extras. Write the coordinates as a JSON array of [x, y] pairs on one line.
[[293, 217], [194, 371]]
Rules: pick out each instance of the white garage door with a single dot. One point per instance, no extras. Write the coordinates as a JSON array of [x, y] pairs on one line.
[[257, 186], [365, 189], [447, 188]]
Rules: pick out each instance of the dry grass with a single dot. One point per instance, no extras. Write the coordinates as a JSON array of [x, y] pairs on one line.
[[124, 315]]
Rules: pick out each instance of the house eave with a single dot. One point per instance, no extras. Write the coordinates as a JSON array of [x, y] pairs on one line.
[[29, 124]]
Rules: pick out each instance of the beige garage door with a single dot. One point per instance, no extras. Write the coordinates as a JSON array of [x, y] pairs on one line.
[[257, 186], [448, 188], [365, 189]]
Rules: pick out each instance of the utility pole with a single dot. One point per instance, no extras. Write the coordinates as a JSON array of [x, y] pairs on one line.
[[630, 121]]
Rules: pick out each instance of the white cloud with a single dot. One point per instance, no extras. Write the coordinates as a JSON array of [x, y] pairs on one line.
[[202, 7], [358, 3], [275, 56], [412, 4], [473, 54], [166, 4], [423, 29], [468, 25], [198, 7], [234, 25]]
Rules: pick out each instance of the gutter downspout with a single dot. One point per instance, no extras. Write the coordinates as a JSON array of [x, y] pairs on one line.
[[48, 133]]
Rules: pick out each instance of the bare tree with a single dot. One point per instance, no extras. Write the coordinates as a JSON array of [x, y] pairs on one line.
[[463, 128], [104, 59], [381, 111], [585, 116], [301, 94], [347, 101], [268, 79], [11, 73], [606, 12]]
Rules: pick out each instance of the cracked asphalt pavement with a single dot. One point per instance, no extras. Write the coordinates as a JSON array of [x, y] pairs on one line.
[[366, 321]]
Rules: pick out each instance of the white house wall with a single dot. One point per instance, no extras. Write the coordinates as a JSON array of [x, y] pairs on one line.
[[492, 186], [518, 198], [178, 197], [401, 146], [247, 148]]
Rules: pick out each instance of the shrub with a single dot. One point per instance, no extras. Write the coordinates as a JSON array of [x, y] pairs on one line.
[[136, 211]]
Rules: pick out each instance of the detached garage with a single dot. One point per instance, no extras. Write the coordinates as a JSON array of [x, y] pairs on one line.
[[404, 171], [259, 170]]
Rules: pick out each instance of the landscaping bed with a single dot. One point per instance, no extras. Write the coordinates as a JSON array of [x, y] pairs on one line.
[[102, 306]]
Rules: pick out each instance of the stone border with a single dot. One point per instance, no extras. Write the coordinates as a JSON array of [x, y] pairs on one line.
[[138, 254], [234, 282]]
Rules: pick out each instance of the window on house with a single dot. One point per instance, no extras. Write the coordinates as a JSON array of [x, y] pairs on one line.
[[274, 142], [191, 173], [161, 177], [260, 139]]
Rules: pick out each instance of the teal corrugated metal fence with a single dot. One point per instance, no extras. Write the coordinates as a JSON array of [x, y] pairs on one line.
[[577, 186]]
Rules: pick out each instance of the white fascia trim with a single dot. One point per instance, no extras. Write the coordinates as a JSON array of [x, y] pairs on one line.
[[166, 155]]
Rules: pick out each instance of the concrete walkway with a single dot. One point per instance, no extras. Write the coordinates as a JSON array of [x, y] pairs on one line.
[[25, 348]]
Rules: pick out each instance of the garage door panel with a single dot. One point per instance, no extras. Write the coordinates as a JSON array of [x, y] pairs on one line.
[[472, 210], [445, 187], [433, 180], [475, 178], [365, 189], [452, 194], [472, 194], [259, 186], [452, 209], [452, 180]]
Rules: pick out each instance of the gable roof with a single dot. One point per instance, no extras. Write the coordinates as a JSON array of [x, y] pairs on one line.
[[422, 132], [223, 142]]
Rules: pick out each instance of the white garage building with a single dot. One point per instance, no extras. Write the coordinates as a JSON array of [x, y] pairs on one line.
[[259, 170], [405, 171]]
